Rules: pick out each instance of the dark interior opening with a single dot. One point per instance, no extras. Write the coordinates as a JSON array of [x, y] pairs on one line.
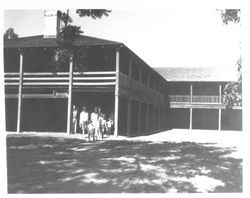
[[231, 119], [11, 60], [11, 114], [205, 119], [123, 111], [44, 115], [180, 118]]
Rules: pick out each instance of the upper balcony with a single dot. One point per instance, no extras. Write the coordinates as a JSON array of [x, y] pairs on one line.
[[102, 81], [198, 101]]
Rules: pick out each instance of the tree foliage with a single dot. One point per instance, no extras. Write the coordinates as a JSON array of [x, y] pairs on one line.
[[10, 34], [94, 13], [230, 15], [67, 35], [232, 93]]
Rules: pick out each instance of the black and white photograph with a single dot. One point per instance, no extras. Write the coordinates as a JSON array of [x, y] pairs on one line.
[[123, 100]]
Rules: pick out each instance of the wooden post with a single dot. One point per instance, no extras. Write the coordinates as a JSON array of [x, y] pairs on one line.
[[165, 118], [19, 106], [129, 117], [191, 109], [191, 119], [139, 118], [191, 93], [70, 95], [159, 118], [219, 116], [153, 118], [117, 63], [139, 104], [147, 118], [220, 94], [147, 112]]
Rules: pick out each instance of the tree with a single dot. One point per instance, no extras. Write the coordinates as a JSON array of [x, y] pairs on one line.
[[232, 93], [95, 13], [10, 34], [230, 15], [67, 35]]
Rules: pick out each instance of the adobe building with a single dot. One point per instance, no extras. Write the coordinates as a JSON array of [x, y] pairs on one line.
[[139, 99], [196, 98], [38, 98]]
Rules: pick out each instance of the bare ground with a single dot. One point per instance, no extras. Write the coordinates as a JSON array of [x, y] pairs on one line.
[[159, 163]]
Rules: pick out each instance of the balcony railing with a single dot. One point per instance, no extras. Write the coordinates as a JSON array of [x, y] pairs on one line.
[[195, 99], [61, 79]]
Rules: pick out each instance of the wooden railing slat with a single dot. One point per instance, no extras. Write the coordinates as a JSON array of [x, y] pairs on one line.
[[61, 73], [195, 98], [100, 83], [61, 78]]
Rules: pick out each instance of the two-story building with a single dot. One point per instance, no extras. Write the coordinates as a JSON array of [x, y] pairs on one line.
[[139, 99], [196, 98], [40, 98]]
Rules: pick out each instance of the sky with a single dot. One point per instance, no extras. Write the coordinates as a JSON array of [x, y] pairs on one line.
[[174, 37]]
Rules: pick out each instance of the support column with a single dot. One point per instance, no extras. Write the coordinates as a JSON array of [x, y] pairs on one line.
[[70, 95], [166, 121], [19, 106], [147, 105], [129, 117], [147, 118], [159, 127], [117, 63], [220, 101], [191, 109], [191, 119], [153, 118], [139, 118], [139, 104]]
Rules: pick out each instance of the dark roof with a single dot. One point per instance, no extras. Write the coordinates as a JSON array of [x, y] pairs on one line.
[[39, 41], [201, 74]]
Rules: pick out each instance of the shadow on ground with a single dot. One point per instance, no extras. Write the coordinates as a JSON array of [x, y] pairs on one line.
[[64, 165]]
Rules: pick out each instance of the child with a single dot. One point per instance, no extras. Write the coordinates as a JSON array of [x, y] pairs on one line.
[[74, 119], [94, 117], [109, 125], [91, 130], [102, 123], [84, 116]]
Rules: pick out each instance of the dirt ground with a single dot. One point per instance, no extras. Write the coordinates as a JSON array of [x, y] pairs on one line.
[[171, 161]]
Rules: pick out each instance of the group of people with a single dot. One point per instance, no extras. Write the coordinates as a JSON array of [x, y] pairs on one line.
[[94, 124]]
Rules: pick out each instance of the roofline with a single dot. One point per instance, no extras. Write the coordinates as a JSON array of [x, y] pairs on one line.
[[112, 43], [235, 79], [144, 63]]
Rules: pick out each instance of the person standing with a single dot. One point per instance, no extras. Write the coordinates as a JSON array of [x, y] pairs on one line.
[[84, 117], [109, 125], [94, 117], [74, 119], [102, 122]]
